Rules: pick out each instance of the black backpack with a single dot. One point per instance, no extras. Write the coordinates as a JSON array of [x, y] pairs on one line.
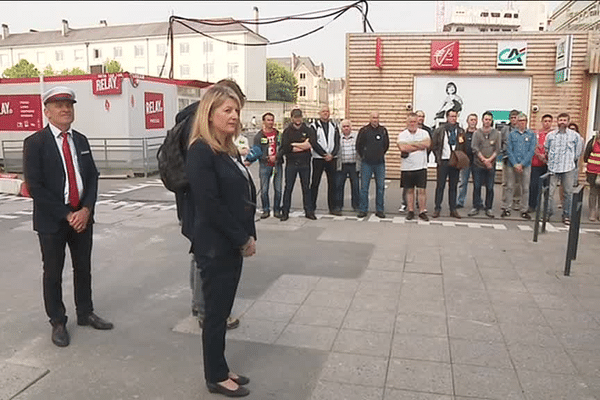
[[171, 158]]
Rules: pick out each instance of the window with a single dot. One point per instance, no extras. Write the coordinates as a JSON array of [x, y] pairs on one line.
[[59, 55], [161, 49], [184, 48], [302, 91], [516, 16], [485, 14], [97, 53], [139, 51], [506, 30], [231, 47], [495, 15], [41, 58], [494, 29], [508, 15], [460, 29], [232, 69], [117, 52], [78, 55], [483, 30], [209, 69], [184, 70], [208, 46], [302, 75], [21, 56], [140, 70], [3, 59], [541, 28]]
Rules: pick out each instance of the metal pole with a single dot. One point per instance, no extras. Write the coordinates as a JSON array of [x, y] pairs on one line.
[[538, 209], [145, 156], [573, 239], [546, 201]]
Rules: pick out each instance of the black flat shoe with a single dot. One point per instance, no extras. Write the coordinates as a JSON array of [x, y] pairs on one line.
[[95, 322], [241, 380], [60, 336], [216, 388]]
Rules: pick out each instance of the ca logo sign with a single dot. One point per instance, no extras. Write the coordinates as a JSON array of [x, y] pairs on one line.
[[511, 55]]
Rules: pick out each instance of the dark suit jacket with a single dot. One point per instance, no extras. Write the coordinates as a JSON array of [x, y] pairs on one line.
[[225, 202], [437, 141], [45, 178]]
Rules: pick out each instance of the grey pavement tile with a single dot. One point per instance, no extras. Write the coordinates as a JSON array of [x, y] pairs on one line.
[[457, 284], [410, 305], [483, 354], [460, 296], [376, 288], [422, 256], [337, 285], [553, 301], [422, 325], [360, 342], [296, 281], [543, 385], [421, 348], [544, 359], [584, 339], [423, 268], [270, 311], [257, 330], [587, 362], [374, 321], [319, 316], [593, 383], [505, 285], [540, 335], [386, 265], [512, 299], [378, 275], [285, 295], [554, 287], [313, 337], [423, 280], [591, 304], [379, 302], [519, 315], [421, 376], [489, 383], [507, 273], [482, 312], [341, 391], [395, 394], [570, 318], [355, 369], [14, 378], [323, 298], [461, 328]]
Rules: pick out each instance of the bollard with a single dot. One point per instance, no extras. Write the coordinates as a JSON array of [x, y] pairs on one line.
[[542, 207], [573, 239]]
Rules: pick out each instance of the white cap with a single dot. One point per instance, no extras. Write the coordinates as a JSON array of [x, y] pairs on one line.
[[59, 93]]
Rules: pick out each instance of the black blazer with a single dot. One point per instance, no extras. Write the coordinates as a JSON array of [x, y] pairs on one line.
[[45, 178], [224, 200]]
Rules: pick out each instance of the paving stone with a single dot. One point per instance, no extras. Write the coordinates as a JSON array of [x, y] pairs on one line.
[[395, 394], [505, 285], [257, 330], [585, 339], [513, 299], [421, 348], [421, 325], [543, 359], [553, 301], [313, 337], [271, 311], [474, 330], [14, 378], [489, 383], [424, 268], [373, 321], [285, 295], [540, 335], [587, 362], [355, 369], [489, 274], [519, 315], [368, 288], [322, 298], [484, 354], [297, 281], [340, 391], [576, 320], [361, 342], [409, 305], [542, 385], [386, 265], [377, 275], [379, 302], [319, 316], [473, 311], [423, 376], [337, 285]]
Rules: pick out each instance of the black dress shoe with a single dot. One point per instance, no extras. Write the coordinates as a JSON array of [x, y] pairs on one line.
[[60, 336], [95, 322], [284, 217], [265, 214], [277, 214], [436, 214], [241, 380], [380, 214], [361, 214], [310, 215], [216, 388], [336, 213]]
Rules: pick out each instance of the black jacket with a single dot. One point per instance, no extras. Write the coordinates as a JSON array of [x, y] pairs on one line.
[[372, 144], [292, 135], [45, 178], [224, 202]]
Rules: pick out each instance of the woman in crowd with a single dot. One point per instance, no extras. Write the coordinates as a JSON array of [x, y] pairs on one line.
[[224, 232]]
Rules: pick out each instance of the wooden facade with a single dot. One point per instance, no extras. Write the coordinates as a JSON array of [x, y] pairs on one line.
[[390, 89]]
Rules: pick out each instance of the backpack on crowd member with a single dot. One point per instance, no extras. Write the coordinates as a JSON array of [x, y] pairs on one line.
[[171, 158]]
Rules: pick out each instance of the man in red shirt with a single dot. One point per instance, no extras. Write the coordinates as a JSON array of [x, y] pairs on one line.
[[538, 163], [269, 140]]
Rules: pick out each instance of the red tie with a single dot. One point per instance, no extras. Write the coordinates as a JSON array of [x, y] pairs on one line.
[[73, 191]]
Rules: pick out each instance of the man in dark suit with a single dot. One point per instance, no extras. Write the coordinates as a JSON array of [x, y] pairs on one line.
[[63, 181]]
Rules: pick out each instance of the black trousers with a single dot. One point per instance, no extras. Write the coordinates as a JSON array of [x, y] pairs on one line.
[[348, 171], [291, 170], [220, 278], [319, 165], [53, 257], [446, 172]]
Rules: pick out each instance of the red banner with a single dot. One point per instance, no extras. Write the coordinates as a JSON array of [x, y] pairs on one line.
[[444, 55], [154, 110], [106, 84], [20, 113]]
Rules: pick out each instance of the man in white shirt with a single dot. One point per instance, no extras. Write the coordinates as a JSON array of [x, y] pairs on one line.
[[414, 142]]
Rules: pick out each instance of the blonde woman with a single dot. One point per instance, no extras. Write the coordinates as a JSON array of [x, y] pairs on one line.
[[592, 157], [224, 199]]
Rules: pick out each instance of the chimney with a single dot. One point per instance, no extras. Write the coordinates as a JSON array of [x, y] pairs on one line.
[[65, 27], [4, 31], [103, 22], [256, 20]]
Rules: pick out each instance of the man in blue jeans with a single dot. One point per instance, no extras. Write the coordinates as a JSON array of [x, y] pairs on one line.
[[372, 143], [348, 167], [487, 143], [463, 182], [269, 140]]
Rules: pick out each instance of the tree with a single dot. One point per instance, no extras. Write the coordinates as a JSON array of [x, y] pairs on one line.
[[281, 83], [112, 66], [74, 71], [48, 71], [22, 69]]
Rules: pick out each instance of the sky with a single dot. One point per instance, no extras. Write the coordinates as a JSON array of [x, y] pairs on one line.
[[328, 46]]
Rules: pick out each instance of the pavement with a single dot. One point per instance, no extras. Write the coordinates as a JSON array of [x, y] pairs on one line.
[[338, 308]]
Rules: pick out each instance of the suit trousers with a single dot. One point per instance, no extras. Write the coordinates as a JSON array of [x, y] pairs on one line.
[[293, 168], [220, 278], [446, 172], [319, 165], [53, 257]]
